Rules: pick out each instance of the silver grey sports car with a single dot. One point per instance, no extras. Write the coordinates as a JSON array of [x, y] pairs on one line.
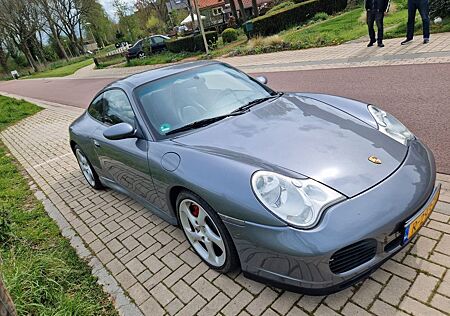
[[309, 192]]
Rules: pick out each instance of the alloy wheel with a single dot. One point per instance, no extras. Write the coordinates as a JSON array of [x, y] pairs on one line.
[[202, 232], [85, 167]]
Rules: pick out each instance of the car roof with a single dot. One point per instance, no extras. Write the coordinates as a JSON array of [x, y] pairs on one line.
[[155, 74]]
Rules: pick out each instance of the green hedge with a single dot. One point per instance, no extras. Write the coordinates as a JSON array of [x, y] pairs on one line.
[[229, 35], [439, 8], [277, 21], [191, 43]]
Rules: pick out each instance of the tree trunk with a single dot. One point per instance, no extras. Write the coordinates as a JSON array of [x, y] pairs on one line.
[[233, 9], [3, 59], [30, 57], [242, 10], [255, 8], [6, 302], [58, 41]]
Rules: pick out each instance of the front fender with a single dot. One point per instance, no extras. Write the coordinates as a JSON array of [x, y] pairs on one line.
[[352, 107]]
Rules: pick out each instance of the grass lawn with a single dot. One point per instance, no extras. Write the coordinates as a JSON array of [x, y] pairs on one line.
[[41, 270], [62, 71]]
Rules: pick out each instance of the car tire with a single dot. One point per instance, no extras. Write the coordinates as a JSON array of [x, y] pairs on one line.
[[141, 55], [221, 243], [86, 169]]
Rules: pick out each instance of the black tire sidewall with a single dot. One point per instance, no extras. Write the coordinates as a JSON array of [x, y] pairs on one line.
[[232, 258]]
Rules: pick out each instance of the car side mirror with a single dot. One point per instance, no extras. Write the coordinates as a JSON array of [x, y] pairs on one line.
[[261, 79], [119, 131]]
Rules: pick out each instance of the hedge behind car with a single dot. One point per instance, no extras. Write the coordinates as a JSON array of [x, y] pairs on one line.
[[229, 35], [277, 21], [191, 43]]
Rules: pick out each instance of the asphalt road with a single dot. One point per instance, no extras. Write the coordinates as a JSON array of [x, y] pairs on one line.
[[419, 95]]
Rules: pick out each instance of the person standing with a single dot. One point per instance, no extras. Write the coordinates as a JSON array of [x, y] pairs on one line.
[[413, 6], [375, 13]]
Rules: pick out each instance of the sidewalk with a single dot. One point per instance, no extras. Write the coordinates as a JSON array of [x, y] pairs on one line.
[[352, 54], [152, 262]]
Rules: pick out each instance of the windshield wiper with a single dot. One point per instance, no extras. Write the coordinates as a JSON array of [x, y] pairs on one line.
[[257, 101], [204, 122]]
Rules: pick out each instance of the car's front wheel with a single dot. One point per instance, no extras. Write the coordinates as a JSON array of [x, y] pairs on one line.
[[86, 168], [141, 55], [206, 233]]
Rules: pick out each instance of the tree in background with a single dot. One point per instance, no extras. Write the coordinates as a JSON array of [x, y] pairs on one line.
[[128, 22], [99, 24]]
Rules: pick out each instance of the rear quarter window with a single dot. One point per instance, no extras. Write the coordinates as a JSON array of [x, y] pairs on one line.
[[96, 108]]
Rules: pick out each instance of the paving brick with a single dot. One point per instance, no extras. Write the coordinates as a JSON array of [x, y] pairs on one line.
[[264, 299], [425, 266], [416, 308], [227, 285], [323, 310], [351, 309], [174, 306], [183, 291], [138, 293], [444, 244], [423, 247], [154, 264], [444, 288], [394, 290], [151, 307], [172, 261], [251, 286], [214, 305], [381, 308], [295, 311], [309, 303], [135, 266], [285, 302], [400, 270], [367, 293], [176, 275], [237, 303], [441, 302], [423, 287], [162, 294], [126, 279], [204, 288]]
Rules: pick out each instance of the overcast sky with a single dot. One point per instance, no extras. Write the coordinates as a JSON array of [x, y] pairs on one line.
[[107, 4]]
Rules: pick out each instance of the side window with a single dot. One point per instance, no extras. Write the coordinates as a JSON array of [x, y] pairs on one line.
[[96, 108], [157, 40], [117, 108]]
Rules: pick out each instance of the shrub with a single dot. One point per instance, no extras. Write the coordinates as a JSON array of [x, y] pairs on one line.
[[280, 6], [191, 43], [274, 22], [229, 35], [320, 16], [439, 8]]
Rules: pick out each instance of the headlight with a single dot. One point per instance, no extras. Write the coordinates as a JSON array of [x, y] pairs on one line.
[[299, 202], [389, 125]]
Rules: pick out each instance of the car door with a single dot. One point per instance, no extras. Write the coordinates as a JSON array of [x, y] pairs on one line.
[[158, 43], [123, 162]]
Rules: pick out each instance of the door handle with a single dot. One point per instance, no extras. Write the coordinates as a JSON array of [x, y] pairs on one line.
[[96, 143]]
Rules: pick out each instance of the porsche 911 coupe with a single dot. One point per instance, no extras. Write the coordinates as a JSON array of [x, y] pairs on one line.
[[305, 191]]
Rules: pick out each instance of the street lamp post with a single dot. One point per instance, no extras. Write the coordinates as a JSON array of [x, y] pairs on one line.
[[200, 23]]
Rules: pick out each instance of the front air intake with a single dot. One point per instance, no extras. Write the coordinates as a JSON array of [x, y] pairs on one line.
[[353, 256]]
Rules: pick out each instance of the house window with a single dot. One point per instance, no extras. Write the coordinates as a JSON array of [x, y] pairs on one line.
[[217, 11]]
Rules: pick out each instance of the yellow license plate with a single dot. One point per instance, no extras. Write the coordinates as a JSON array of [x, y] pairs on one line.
[[412, 227]]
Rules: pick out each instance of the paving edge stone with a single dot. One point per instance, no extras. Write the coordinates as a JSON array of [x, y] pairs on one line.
[[120, 300]]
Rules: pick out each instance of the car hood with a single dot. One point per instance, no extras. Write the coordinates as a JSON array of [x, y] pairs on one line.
[[308, 137]]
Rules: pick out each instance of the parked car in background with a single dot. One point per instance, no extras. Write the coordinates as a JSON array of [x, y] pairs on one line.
[[147, 46]]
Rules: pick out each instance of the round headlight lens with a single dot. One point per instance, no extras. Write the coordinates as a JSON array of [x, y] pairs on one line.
[[299, 202], [390, 126]]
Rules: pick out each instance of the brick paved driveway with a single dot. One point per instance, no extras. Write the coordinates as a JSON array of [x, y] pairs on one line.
[[151, 260]]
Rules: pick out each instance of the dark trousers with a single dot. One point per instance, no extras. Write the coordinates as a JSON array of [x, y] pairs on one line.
[[422, 6], [372, 16]]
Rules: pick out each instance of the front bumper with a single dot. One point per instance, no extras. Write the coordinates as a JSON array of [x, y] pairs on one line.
[[299, 259]]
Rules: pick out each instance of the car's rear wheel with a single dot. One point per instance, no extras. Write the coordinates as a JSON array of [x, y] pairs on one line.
[[87, 170], [141, 55], [206, 233]]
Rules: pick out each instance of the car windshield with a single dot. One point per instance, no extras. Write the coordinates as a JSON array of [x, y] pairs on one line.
[[137, 43], [198, 94]]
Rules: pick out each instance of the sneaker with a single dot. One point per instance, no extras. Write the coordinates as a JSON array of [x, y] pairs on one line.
[[370, 43], [380, 45], [406, 41], [426, 40]]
